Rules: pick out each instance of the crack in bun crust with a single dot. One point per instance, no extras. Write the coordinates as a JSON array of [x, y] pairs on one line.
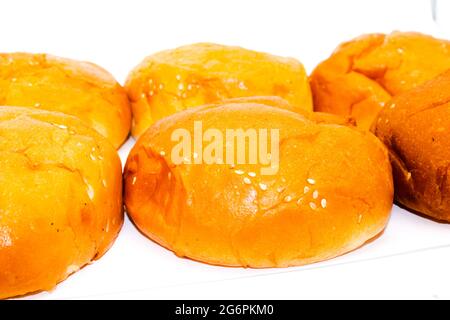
[[363, 74], [414, 126]]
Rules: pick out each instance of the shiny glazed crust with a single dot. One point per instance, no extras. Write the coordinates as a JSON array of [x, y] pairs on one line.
[[60, 198], [363, 74], [415, 128], [202, 73], [316, 207], [73, 87]]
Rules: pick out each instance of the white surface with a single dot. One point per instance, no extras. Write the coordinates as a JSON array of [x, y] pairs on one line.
[[411, 259]]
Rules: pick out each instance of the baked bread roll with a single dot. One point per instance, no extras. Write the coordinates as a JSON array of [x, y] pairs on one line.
[[60, 200], [198, 74], [77, 88], [414, 126], [315, 206], [363, 74]]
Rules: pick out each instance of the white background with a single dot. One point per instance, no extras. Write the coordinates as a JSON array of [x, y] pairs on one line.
[[411, 259]]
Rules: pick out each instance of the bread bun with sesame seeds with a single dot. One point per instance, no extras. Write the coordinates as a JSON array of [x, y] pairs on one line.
[[60, 198], [415, 128], [202, 73], [77, 88], [330, 192], [363, 74]]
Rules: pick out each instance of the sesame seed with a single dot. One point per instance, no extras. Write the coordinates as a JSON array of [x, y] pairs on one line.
[[150, 81], [287, 199], [252, 174], [133, 181], [143, 95], [189, 87], [360, 218], [90, 191], [313, 205], [242, 85], [408, 177], [169, 175], [181, 86], [162, 153], [161, 86], [151, 93], [178, 77], [323, 203], [280, 189], [37, 104], [382, 104], [247, 180], [263, 186], [305, 189], [299, 201], [92, 157], [392, 106], [400, 50], [311, 181], [315, 194], [104, 183], [239, 171], [61, 126], [14, 79]]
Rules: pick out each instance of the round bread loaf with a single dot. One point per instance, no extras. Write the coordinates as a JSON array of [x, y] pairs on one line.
[[198, 74], [415, 127], [315, 205], [73, 87], [60, 198], [363, 74]]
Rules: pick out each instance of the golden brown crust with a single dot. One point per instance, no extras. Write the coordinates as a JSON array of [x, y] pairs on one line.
[[414, 126], [212, 213], [363, 74], [198, 74], [73, 87], [60, 200]]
